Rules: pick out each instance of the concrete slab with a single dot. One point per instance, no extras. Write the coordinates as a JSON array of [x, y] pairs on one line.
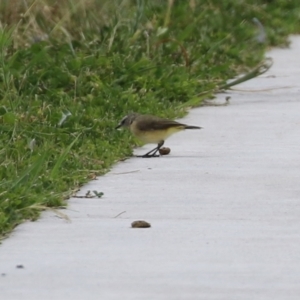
[[224, 209]]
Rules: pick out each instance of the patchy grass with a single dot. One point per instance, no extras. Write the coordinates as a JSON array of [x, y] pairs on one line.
[[69, 70]]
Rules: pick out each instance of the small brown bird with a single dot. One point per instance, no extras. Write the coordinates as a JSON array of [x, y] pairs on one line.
[[152, 130]]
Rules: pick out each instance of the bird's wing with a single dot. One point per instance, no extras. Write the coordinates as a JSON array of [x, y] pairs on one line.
[[157, 124]]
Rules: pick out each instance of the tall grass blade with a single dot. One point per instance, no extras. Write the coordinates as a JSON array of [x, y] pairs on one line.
[[61, 159]]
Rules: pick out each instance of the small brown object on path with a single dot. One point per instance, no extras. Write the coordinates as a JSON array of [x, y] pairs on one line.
[[140, 224], [164, 151]]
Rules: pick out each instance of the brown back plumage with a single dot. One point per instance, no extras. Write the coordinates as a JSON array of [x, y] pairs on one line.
[[148, 122]]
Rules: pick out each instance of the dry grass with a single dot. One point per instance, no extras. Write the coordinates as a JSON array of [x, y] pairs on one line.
[[36, 20]]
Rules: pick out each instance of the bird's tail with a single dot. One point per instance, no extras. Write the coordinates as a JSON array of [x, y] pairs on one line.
[[191, 127]]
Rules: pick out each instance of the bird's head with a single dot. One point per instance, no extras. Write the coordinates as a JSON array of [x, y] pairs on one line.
[[127, 120]]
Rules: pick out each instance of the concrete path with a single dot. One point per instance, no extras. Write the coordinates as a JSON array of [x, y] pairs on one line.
[[224, 208]]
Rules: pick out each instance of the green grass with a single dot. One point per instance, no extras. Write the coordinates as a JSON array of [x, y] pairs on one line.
[[70, 71]]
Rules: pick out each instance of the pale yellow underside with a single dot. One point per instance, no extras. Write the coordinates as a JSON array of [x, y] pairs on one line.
[[154, 136]]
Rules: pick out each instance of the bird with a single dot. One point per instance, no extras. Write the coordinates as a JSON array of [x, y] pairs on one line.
[[152, 129]]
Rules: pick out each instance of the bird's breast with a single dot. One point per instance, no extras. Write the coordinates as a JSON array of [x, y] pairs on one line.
[[153, 136]]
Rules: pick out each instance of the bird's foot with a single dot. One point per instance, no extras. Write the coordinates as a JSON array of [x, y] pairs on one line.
[[148, 156]]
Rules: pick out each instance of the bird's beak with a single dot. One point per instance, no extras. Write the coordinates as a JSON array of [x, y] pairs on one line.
[[117, 127]]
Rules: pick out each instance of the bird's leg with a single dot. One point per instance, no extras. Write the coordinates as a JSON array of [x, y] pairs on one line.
[[160, 144], [150, 154]]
